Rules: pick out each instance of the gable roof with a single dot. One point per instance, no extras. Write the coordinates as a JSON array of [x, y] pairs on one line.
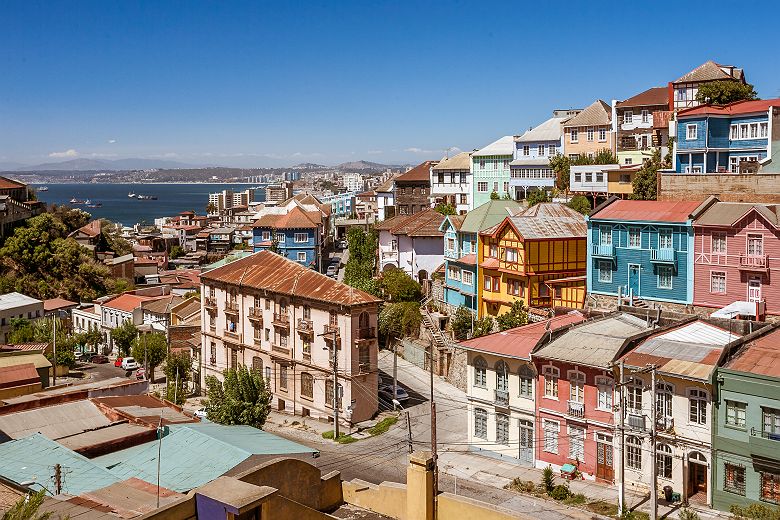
[[462, 161], [711, 71], [760, 356], [650, 97], [295, 218], [503, 146], [647, 210], [13, 300], [729, 213], [731, 109], [489, 214], [128, 302], [456, 221], [10, 184], [53, 304], [520, 341], [547, 220], [162, 305], [421, 172], [598, 113], [550, 130], [269, 271], [426, 223], [91, 229]]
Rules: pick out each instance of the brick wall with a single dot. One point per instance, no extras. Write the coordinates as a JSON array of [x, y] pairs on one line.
[[728, 188]]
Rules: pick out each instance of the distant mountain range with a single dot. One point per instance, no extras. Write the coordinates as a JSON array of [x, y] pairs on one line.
[[308, 166], [364, 165], [95, 164]]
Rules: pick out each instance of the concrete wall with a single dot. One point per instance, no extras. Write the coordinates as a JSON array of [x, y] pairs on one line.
[[387, 498], [452, 507], [760, 187]]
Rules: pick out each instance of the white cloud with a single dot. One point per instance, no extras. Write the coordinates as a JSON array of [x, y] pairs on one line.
[[414, 149], [297, 154], [374, 152], [102, 155], [67, 153], [111, 141]]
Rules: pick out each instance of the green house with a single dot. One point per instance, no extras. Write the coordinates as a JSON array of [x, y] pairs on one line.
[[746, 425]]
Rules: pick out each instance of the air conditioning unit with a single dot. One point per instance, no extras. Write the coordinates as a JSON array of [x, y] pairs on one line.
[[636, 421]]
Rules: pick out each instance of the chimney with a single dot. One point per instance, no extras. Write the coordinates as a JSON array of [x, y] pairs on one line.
[[419, 486]]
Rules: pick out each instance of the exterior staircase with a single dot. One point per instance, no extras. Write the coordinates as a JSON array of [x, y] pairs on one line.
[[440, 340]]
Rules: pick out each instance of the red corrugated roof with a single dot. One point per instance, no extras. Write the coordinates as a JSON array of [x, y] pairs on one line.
[[57, 303], [738, 107], [421, 172], [761, 356], [128, 302], [647, 210], [296, 218], [19, 375], [520, 341]]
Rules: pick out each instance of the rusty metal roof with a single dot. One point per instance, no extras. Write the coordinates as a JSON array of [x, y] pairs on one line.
[[548, 220], [647, 211], [760, 356], [271, 272], [426, 223], [420, 173]]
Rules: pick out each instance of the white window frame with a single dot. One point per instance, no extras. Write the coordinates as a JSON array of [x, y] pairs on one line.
[[591, 134], [280, 238], [664, 460], [763, 130], [605, 271], [526, 381], [634, 232], [552, 376], [454, 273], [468, 277], [577, 381], [574, 135], [736, 414], [511, 254], [480, 415], [634, 453], [662, 273], [502, 429], [602, 135], [698, 401], [719, 275], [301, 256], [550, 431], [721, 238], [526, 150], [665, 238], [301, 238], [540, 150], [645, 116], [628, 117], [482, 186], [691, 136], [266, 235], [480, 372], [605, 387], [576, 443]]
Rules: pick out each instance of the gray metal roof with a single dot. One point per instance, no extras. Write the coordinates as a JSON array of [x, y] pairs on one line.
[[489, 214], [54, 422], [13, 300], [594, 343], [503, 146], [462, 161], [550, 220], [550, 130]]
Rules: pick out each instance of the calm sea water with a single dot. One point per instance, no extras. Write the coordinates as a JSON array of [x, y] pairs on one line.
[[118, 207]]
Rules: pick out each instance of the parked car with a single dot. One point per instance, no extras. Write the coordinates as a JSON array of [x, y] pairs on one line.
[[129, 363], [140, 374], [332, 271], [342, 244], [386, 394], [98, 359], [200, 413], [118, 362]]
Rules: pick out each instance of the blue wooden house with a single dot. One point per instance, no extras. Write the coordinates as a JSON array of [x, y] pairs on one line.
[[643, 249], [461, 234], [296, 235], [718, 139]]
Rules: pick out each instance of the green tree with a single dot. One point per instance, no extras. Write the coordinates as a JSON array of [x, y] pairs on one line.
[[176, 252], [483, 326], [359, 270], [123, 337], [560, 165], [150, 350], [514, 317], [536, 196], [178, 367], [399, 320], [446, 209], [461, 323], [603, 156], [26, 508], [113, 234], [22, 331], [580, 204], [72, 218], [495, 196], [725, 92], [242, 398], [211, 208], [645, 182], [397, 286]]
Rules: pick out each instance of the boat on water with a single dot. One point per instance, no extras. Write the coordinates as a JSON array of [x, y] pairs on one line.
[[131, 195], [95, 205], [74, 200], [147, 197], [43, 188]]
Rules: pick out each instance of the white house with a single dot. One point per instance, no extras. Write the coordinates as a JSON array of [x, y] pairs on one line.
[[17, 305], [413, 243], [451, 183], [385, 198]]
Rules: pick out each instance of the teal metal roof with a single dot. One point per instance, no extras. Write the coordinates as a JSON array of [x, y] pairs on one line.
[[194, 454], [232, 257], [33, 458], [489, 214]]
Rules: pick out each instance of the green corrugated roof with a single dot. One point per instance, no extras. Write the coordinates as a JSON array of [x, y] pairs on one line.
[[33, 458], [232, 257], [489, 214], [194, 454]]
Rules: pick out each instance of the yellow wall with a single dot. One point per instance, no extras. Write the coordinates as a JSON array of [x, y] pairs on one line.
[[583, 147], [572, 295], [614, 186]]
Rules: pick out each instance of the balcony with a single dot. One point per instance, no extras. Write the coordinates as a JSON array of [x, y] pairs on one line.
[[501, 398], [366, 334], [231, 307], [256, 314], [665, 255], [281, 319], [365, 367], [603, 251], [753, 262], [278, 349], [210, 303], [774, 436], [330, 330], [305, 327], [235, 336], [576, 409], [664, 424]]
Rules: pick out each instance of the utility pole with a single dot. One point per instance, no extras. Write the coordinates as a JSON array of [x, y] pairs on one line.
[[395, 372], [176, 388], [335, 387], [653, 462], [409, 432], [54, 342], [57, 479], [159, 453], [622, 442], [433, 441]]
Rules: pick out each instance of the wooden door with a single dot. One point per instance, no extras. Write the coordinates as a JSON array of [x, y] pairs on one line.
[[604, 467], [697, 478]]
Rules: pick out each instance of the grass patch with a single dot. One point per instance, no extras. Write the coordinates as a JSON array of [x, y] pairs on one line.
[[575, 500], [603, 508], [383, 425], [637, 515], [328, 435], [343, 439]]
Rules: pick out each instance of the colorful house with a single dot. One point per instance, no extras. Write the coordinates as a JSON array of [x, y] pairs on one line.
[[575, 393], [295, 235], [601, 181], [683, 90], [642, 249], [746, 424], [451, 183], [642, 123], [501, 389], [732, 138], [412, 189], [460, 250], [736, 247], [413, 243], [490, 169], [521, 255], [589, 132]]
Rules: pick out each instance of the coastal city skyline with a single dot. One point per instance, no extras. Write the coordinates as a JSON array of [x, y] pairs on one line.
[[264, 86]]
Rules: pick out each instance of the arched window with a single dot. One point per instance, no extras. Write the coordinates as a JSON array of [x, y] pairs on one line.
[[663, 460], [697, 457], [480, 423], [502, 376], [307, 385], [633, 452], [480, 372], [527, 376], [363, 321]]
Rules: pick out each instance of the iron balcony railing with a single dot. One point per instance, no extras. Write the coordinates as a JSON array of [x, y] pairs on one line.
[[255, 314], [576, 409], [231, 307], [501, 397]]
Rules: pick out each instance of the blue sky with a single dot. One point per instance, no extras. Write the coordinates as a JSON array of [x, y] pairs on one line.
[[266, 84]]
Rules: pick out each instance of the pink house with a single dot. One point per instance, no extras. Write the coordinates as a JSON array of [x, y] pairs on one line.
[[736, 246], [575, 393]]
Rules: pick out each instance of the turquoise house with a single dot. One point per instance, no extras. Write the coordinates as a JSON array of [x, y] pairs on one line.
[[491, 171], [642, 248], [461, 233]]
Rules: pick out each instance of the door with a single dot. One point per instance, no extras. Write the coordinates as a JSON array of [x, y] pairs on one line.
[[754, 290], [604, 466], [526, 454], [633, 279], [697, 474]]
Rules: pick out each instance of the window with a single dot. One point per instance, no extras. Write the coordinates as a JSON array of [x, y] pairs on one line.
[[463, 181], [576, 443], [634, 395], [454, 273], [718, 245], [602, 134], [633, 453], [540, 150], [329, 393], [506, 187], [233, 358], [625, 178], [495, 187], [577, 177], [770, 487], [306, 349], [511, 254], [266, 235], [763, 130], [526, 375], [605, 271], [628, 117], [480, 372], [604, 387], [590, 134], [213, 360], [487, 284], [551, 149], [628, 161], [283, 377], [493, 251], [753, 130], [734, 132], [513, 287], [268, 375], [574, 135], [302, 256], [665, 239], [691, 132], [468, 278], [735, 414], [697, 406], [307, 385], [755, 245], [280, 238], [771, 423], [576, 387], [502, 376], [526, 150], [599, 176], [663, 460], [734, 478], [551, 429], [482, 186], [502, 429], [645, 116], [665, 277], [482, 164], [663, 400], [634, 237], [605, 235], [267, 334], [480, 423], [301, 238], [551, 375], [718, 282]]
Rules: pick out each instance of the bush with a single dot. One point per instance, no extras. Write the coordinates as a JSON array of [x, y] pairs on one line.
[[548, 479], [327, 435], [577, 499], [383, 425], [755, 512], [688, 514], [461, 323], [560, 492]]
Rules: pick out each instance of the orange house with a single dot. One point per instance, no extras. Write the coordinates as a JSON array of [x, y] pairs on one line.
[[537, 256]]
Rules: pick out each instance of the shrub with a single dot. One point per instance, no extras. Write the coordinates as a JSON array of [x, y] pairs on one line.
[[755, 512], [688, 514], [560, 492], [523, 486], [383, 425], [548, 479], [577, 499], [327, 435]]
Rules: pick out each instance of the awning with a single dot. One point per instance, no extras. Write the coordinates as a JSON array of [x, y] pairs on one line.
[[765, 464], [732, 310]]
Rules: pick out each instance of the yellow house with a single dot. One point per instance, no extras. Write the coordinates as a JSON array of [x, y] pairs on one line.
[[537, 256]]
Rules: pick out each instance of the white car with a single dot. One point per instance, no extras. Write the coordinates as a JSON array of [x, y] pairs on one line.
[[129, 363], [386, 394], [200, 413], [332, 270]]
